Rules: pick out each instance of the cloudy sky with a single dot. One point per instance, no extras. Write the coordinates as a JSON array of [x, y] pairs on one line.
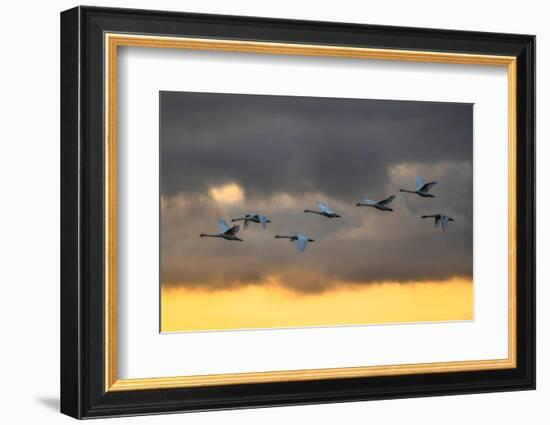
[[225, 155]]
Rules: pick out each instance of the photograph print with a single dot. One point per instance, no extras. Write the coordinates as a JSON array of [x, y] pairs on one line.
[[287, 211]]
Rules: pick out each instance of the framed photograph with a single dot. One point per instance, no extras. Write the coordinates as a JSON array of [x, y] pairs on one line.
[[261, 212]]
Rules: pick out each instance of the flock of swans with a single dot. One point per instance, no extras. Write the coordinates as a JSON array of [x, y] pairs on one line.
[[229, 233]]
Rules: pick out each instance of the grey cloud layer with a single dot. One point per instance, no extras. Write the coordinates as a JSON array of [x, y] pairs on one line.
[[294, 144], [313, 149]]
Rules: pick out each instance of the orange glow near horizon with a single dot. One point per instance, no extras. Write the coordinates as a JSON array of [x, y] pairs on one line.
[[272, 306]]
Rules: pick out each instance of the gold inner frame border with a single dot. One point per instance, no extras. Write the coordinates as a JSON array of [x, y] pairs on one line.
[[112, 41]]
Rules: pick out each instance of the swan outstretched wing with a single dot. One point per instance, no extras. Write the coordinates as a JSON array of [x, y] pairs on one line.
[[369, 201], [233, 230], [419, 182], [324, 208], [224, 227], [387, 200], [426, 187], [302, 242], [444, 222], [263, 220]]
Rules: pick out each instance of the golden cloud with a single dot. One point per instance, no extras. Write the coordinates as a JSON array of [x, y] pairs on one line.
[[271, 305]]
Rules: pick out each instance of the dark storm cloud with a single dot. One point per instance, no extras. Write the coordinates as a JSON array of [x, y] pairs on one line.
[[287, 153], [270, 144]]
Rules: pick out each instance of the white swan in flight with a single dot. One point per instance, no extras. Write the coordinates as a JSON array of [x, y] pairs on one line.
[[440, 219], [302, 240], [254, 218], [422, 189], [325, 211], [380, 205], [226, 232]]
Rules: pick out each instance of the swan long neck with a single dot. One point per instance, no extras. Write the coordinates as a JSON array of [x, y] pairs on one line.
[[314, 212], [283, 237], [204, 235], [408, 191]]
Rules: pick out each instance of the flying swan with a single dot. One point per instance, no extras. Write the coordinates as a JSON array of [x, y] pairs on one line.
[[380, 205], [325, 211], [226, 232], [422, 189], [440, 219], [302, 240], [254, 218]]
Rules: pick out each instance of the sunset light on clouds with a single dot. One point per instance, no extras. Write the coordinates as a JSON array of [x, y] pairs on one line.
[[227, 194], [262, 306]]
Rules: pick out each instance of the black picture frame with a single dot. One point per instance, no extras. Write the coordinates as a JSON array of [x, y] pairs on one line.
[[82, 215]]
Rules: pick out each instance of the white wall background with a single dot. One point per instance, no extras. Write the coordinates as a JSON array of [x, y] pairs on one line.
[[29, 213]]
